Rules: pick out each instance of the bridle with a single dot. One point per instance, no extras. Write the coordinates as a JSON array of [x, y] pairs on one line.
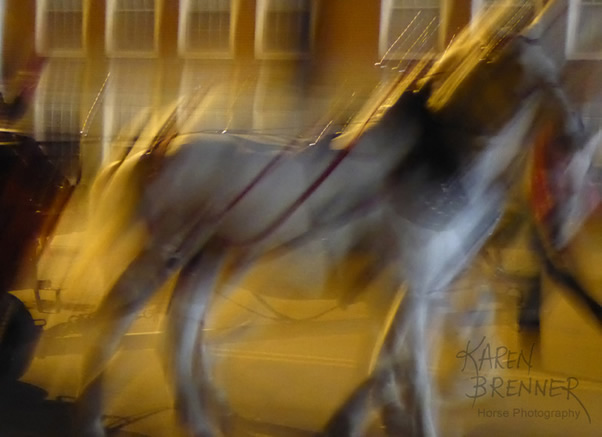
[[543, 203]]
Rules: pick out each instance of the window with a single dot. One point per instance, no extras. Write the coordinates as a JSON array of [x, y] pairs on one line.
[[206, 28], [129, 93], [479, 5], [409, 29], [518, 13], [284, 28], [584, 39], [131, 28], [592, 114], [278, 105], [57, 113], [57, 103], [59, 28], [216, 111]]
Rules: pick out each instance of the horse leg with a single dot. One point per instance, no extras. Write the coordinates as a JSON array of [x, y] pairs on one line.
[[200, 405], [349, 420], [390, 388], [421, 380], [187, 312], [530, 308], [401, 387], [129, 294]]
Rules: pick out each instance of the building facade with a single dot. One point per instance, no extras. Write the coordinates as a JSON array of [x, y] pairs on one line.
[[273, 66]]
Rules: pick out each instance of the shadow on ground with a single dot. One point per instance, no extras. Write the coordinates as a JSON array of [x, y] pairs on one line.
[[25, 411]]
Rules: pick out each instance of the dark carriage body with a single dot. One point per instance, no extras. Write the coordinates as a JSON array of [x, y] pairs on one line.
[[33, 192]]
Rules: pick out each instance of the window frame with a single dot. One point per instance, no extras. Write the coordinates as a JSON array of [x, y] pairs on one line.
[[141, 97], [216, 111], [41, 30], [184, 48], [111, 44], [477, 5], [387, 8], [46, 96], [572, 50], [260, 28]]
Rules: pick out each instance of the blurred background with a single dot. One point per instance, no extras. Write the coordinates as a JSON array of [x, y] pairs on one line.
[[277, 67]]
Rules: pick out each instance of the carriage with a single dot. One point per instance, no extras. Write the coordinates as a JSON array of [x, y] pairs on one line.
[[34, 192]]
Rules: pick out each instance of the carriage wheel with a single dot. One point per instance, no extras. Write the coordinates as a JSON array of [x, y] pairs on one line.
[[18, 337]]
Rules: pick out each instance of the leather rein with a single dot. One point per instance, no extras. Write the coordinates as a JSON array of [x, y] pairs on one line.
[[169, 132]]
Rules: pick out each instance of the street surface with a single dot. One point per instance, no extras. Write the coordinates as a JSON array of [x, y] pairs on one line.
[[286, 364]]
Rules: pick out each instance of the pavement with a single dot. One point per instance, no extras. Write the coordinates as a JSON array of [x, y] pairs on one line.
[[139, 400], [285, 377]]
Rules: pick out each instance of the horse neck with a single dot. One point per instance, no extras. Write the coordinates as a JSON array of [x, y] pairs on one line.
[[395, 134]]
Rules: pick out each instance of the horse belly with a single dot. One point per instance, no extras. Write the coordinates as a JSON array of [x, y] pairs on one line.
[[212, 185], [272, 211]]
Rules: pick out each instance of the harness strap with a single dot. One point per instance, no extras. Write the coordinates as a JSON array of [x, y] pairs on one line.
[[169, 132], [561, 274], [288, 212], [158, 147], [544, 203], [400, 85]]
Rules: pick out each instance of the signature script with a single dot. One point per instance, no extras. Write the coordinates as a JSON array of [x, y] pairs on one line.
[[482, 358]]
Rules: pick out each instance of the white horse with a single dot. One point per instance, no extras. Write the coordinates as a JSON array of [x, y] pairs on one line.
[[428, 177]]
